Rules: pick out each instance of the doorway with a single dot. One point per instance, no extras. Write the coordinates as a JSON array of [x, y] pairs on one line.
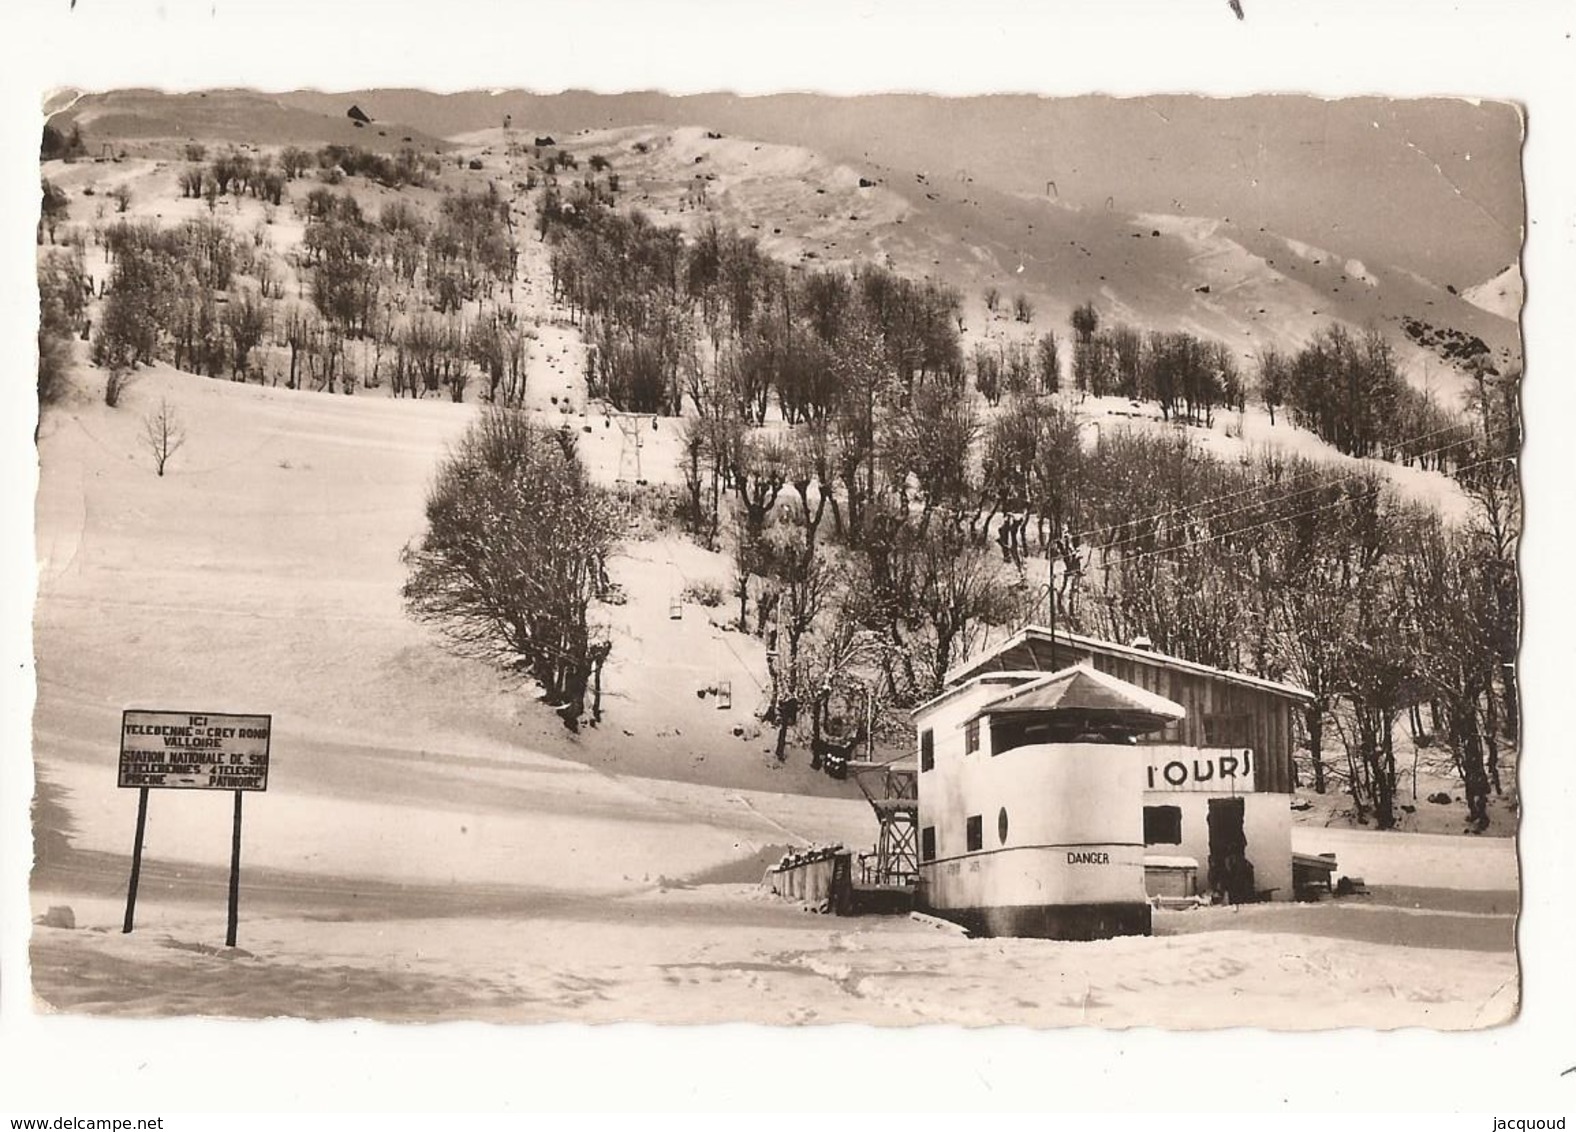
[[1230, 871]]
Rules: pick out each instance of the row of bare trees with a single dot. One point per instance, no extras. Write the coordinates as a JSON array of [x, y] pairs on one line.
[[666, 319], [263, 174], [406, 301], [1346, 388], [1188, 377], [1295, 570], [1017, 367], [1343, 386], [1287, 568]]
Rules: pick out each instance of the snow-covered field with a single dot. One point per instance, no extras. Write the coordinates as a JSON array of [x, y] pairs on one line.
[[433, 845], [726, 953]]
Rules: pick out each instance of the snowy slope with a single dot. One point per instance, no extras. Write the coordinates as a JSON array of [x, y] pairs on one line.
[[1501, 295], [262, 574], [1248, 286]]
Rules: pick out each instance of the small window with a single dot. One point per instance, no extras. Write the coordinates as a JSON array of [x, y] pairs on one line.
[[1162, 825], [1226, 730], [976, 834], [971, 736], [1001, 825], [927, 843], [927, 750]]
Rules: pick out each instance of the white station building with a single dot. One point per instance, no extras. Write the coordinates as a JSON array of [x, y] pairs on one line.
[[1064, 781]]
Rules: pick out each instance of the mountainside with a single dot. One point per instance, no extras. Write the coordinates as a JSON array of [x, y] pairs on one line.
[[1501, 295], [1182, 241], [1250, 287], [1377, 179], [227, 115], [1161, 272]]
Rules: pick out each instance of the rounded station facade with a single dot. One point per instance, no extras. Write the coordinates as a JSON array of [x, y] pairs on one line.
[[1031, 804]]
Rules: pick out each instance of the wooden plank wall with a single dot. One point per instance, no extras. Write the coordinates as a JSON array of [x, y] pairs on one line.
[[1269, 715]]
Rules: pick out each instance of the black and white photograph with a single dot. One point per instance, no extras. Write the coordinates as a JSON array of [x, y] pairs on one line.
[[666, 553], [780, 560]]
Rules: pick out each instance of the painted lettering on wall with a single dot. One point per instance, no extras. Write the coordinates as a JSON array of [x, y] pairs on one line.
[[1201, 769], [1088, 857]]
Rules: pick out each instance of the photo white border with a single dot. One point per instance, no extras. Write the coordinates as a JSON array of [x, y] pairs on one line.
[[1329, 47]]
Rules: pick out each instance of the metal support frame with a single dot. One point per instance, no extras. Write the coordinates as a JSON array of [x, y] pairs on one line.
[[632, 442], [893, 794]]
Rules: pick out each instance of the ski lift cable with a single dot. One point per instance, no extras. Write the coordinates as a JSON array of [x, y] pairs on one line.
[[1272, 501], [1168, 550], [727, 644], [1291, 480], [1237, 553], [1081, 535], [1304, 475]]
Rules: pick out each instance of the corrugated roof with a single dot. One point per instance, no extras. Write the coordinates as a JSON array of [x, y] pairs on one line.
[[976, 666]]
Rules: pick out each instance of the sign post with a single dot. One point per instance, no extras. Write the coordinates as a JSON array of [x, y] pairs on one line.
[[174, 750], [136, 860], [235, 873]]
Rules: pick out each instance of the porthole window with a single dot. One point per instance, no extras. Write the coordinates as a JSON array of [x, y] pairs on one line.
[[1001, 825]]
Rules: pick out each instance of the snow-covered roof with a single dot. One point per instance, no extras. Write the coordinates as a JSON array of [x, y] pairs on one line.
[[1005, 677], [1084, 693], [1085, 689], [1031, 634]]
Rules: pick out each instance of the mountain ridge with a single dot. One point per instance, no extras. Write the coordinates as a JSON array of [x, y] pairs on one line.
[[1369, 177], [1166, 267]]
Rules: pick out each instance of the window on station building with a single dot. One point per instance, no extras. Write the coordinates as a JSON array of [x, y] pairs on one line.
[[971, 736], [927, 843], [927, 750], [1226, 731], [1162, 825], [975, 830], [1008, 733]]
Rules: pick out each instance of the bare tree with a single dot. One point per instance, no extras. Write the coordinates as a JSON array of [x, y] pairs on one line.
[[1273, 377], [115, 383], [163, 433], [56, 207], [1085, 321], [1049, 362], [514, 556], [245, 319], [803, 585]]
